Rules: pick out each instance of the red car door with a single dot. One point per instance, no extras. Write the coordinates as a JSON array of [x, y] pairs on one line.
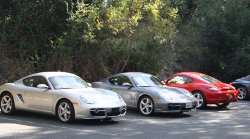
[[180, 81]]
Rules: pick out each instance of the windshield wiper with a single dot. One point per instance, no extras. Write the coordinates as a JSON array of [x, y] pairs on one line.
[[144, 86]]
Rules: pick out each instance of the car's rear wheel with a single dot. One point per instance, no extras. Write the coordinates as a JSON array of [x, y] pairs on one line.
[[146, 105], [7, 104], [201, 100], [242, 93], [65, 111]]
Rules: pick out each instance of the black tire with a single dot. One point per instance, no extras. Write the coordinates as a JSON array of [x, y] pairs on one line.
[[7, 104], [201, 102], [146, 105], [242, 93], [66, 115]]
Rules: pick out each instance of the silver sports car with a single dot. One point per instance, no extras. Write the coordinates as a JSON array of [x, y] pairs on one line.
[[62, 94], [147, 93]]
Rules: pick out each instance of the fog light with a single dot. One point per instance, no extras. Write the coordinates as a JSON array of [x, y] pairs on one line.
[[123, 111]]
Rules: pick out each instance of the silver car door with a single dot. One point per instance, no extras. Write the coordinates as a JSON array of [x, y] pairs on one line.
[[128, 95], [120, 84], [37, 98]]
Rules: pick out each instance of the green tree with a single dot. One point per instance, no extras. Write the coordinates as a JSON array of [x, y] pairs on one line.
[[28, 30], [118, 36], [220, 32]]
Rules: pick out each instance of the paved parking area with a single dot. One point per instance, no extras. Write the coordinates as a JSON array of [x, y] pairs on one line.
[[211, 123]]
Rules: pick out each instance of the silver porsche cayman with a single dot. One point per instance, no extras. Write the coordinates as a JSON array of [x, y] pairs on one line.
[[62, 94], [147, 93]]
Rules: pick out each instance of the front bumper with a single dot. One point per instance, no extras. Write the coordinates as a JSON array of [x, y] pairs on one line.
[[99, 112], [175, 107]]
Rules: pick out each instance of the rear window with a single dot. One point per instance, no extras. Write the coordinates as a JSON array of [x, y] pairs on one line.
[[207, 78]]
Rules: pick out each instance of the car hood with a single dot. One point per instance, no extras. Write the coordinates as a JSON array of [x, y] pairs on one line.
[[99, 96], [242, 80], [177, 94]]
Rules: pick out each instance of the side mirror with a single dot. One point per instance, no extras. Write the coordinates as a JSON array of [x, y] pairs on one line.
[[42, 86], [89, 84], [127, 85]]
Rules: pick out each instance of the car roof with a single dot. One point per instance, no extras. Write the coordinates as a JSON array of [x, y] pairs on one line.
[[50, 74], [135, 74], [190, 73]]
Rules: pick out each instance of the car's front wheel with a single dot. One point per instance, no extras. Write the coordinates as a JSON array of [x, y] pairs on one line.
[[201, 100], [7, 104], [146, 105], [242, 93], [65, 111]]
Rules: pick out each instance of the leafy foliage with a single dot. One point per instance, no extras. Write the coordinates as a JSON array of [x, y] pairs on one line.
[[117, 36], [96, 38]]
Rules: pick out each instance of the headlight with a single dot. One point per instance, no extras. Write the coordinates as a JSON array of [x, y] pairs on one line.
[[214, 89], [186, 92], [168, 98], [87, 101], [165, 96]]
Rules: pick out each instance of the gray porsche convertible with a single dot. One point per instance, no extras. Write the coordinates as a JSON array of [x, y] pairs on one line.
[[62, 94], [147, 93]]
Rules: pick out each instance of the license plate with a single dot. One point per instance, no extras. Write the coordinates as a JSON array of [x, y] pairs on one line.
[[189, 105]]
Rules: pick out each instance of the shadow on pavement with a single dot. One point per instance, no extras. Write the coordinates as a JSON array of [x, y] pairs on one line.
[[136, 113], [46, 118]]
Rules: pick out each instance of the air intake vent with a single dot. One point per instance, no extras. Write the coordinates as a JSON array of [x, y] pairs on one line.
[[20, 97]]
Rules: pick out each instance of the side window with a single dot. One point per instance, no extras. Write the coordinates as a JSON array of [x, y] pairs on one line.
[[179, 80], [189, 80], [119, 80], [41, 80], [34, 81], [29, 81]]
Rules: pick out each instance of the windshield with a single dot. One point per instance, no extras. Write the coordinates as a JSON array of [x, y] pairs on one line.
[[67, 82], [146, 81], [207, 78]]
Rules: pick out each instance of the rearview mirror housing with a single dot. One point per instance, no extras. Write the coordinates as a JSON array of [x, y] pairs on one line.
[[127, 85], [89, 84], [42, 86]]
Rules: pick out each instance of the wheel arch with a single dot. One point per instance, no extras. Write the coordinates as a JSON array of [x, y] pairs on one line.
[[200, 92], [5, 92], [58, 101], [142, 95], [241, 85], [197, 90]]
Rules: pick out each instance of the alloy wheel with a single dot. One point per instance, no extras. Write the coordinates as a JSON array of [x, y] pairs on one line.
[[64, 112], [242, 93], [146, 106], [200, 99], [6, 104]]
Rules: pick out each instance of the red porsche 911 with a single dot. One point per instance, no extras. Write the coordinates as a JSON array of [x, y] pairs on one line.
[[206, 89]]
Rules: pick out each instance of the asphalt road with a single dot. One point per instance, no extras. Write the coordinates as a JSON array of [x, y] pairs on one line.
[[210, 123]]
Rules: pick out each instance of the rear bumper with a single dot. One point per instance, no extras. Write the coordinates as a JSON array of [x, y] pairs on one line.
[[224, 97]]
